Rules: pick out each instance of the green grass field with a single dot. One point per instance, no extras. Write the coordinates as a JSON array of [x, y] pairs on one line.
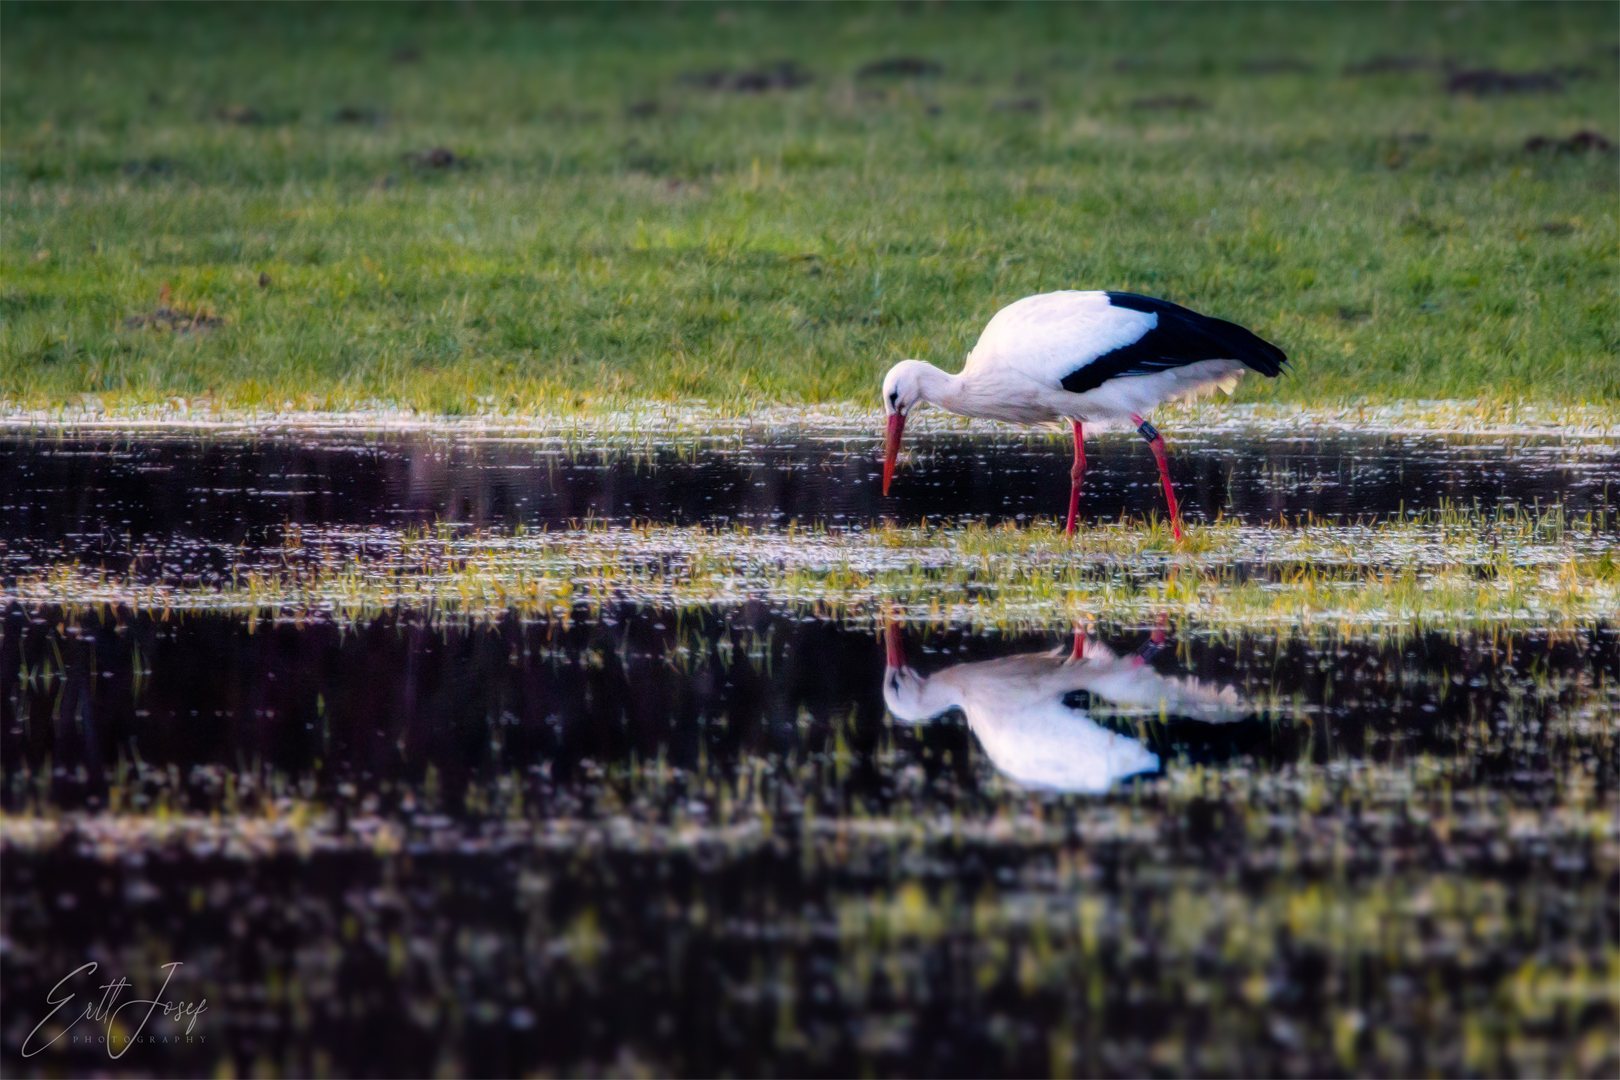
[[615, 229]]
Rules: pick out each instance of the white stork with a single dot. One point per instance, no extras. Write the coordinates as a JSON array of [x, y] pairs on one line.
[[1018, 709], [1078, 358]]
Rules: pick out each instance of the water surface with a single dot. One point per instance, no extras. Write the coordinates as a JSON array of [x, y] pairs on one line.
[[700, 839], [631, 837], [84, 496]]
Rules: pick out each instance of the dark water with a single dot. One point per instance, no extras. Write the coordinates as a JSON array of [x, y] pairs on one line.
[[85, 496], [854, 928], [734, 840], [376, 706], [367, 707]]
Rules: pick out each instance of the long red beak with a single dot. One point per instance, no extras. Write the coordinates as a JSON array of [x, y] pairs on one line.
[[891, 447]]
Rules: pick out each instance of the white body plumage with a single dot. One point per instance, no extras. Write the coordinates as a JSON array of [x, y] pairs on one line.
[[1081, 358], [1016, 371]]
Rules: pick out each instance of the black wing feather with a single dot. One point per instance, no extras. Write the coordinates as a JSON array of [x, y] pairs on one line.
[[1182, 337]]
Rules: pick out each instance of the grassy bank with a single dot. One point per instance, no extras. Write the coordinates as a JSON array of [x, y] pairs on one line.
[[624, 219]]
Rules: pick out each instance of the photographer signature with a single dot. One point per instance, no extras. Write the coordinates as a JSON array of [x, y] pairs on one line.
[[106, 1010]]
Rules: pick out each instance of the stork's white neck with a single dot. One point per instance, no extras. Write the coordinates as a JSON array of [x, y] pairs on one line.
[[940, 388]]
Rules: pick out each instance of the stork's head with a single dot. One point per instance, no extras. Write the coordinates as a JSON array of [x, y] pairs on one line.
[[911, 698], [902, 392], [903, 387], [917, 699], [907, 696]]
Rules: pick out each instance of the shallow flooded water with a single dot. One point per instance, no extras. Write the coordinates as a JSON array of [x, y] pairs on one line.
[[572, 828], [130, 710], [360, 710], [87, 492], [623, 835]]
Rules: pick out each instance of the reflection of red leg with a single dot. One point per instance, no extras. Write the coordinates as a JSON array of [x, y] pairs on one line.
[[894, 649], [1155, 643], [1075, 474], [1155, 442]]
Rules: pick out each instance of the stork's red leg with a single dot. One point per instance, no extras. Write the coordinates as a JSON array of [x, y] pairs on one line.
[[1078, 471], [1155, 442]]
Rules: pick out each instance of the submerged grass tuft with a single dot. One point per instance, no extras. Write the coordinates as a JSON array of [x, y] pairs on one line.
[[1451, 568]]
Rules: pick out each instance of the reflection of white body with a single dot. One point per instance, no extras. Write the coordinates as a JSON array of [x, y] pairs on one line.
[[1015, 707]]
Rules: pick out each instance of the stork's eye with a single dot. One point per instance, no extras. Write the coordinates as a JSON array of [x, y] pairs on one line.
[[894, 397]]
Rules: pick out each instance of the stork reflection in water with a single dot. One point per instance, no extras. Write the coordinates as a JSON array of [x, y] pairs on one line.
[[1025, 713]]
